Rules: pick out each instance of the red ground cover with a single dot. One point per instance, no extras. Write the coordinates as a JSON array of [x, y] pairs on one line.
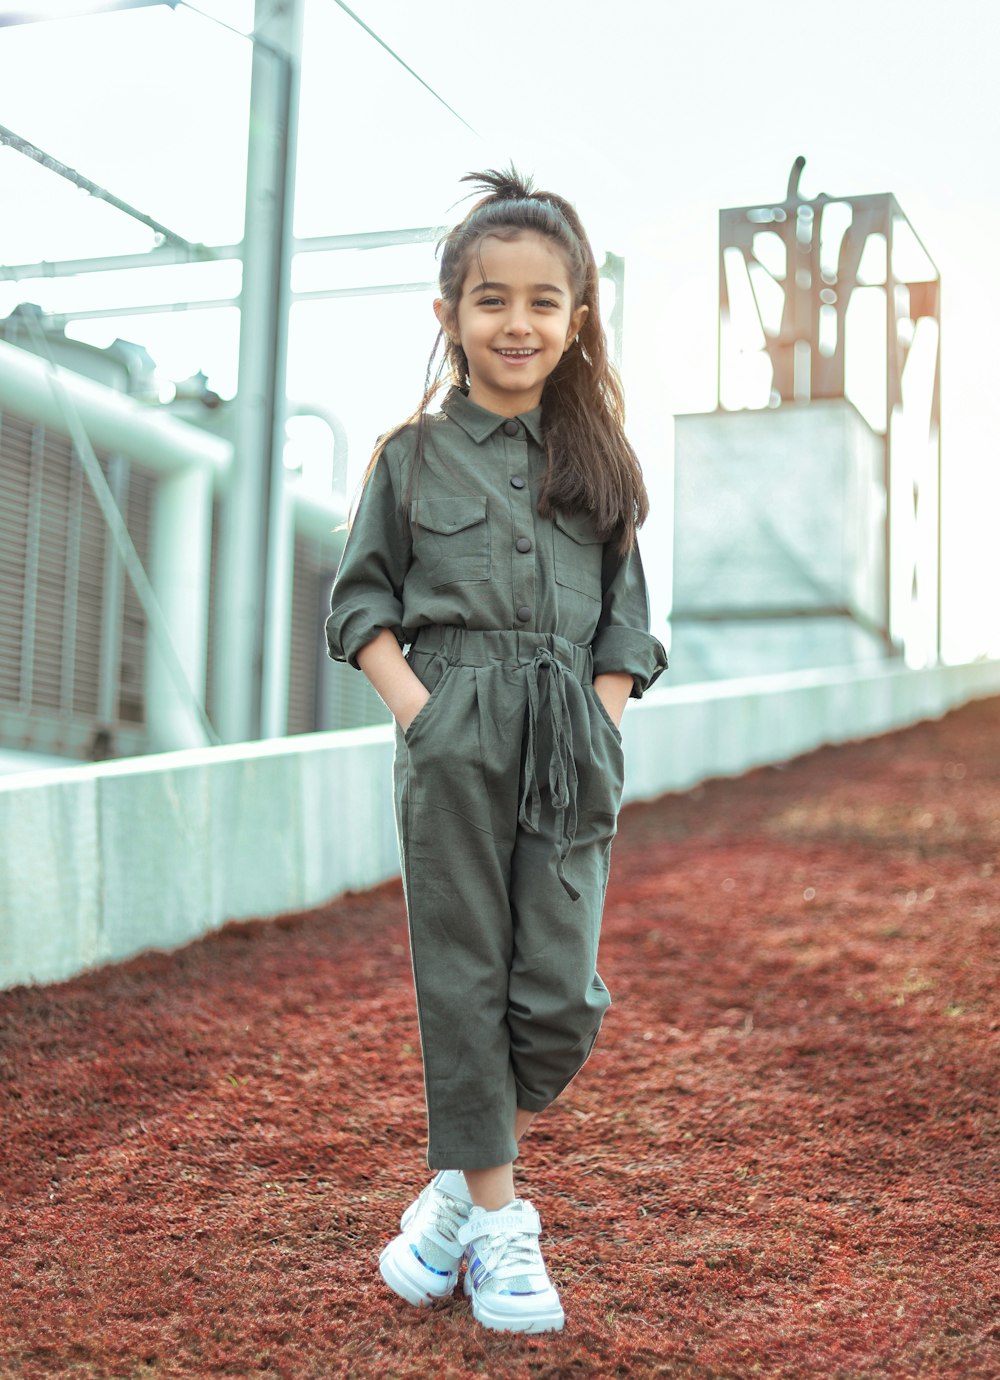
[[781, 1160]]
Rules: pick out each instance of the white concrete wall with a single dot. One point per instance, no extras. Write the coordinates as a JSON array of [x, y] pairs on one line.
[[99, 862], [778, 511]]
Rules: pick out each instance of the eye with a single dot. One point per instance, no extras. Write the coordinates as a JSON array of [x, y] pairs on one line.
[[490, 302], [545, 302]]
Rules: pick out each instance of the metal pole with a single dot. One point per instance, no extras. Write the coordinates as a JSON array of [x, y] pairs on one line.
[[936, 423], [247, 615], [896, 641], [159, 629], [112, 604]]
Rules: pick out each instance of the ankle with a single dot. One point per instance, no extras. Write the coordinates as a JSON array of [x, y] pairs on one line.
[[492, 1202], [491, 1189]]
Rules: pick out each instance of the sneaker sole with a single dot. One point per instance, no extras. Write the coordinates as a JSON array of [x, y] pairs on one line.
[[550, 1321], [401, 1283]]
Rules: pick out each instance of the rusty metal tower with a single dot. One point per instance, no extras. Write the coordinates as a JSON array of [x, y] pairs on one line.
[[836, 298]]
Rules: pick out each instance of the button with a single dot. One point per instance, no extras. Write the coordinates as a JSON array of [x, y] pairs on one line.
[[523, 544], [511, 428], [517, 482], [524, 614]]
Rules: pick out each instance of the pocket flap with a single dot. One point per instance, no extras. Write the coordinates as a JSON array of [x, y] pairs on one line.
[[447, 515], [578, 526]]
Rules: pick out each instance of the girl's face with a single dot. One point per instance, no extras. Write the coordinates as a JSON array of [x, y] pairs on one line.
[[515, 320]]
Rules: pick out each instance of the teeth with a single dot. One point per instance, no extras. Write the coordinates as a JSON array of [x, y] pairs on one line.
[[516, 352]]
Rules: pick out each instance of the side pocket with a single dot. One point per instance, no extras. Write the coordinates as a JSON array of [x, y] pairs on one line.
[[602, 774], [426, 709], [599, 703]]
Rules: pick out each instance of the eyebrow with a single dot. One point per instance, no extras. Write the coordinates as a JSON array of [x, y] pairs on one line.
[[538, 287]]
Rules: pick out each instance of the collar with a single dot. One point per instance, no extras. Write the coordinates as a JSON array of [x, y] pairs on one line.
[[479, 424]]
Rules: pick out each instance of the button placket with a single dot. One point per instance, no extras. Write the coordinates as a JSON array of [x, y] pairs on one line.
[[522, 525]]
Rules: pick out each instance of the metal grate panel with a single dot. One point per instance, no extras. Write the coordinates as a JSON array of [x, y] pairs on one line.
[[57, 600]]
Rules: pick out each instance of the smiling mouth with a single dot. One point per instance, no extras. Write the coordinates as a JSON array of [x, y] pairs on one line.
[[517, 354]]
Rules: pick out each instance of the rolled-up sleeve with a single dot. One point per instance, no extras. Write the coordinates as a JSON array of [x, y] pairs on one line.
[[368, 591], [623, 643]]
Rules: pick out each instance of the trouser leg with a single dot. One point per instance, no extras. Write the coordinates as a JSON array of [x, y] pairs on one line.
[[457, 814]]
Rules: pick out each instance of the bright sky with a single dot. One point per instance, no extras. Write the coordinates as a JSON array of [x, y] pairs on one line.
[[650, 116]]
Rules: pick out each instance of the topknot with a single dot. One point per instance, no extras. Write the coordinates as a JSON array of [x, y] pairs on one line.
[[503, 184]]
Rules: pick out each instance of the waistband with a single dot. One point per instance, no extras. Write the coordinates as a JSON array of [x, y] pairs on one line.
[[475, 647], [548, 660]]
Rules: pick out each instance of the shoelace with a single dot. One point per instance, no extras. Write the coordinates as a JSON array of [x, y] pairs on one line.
[[509, 1255], [441, 1214]]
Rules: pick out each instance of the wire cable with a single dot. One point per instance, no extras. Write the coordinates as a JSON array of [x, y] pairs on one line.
[[396, 58]]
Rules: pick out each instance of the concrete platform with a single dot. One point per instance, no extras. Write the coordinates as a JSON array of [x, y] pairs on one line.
[[100, 862]]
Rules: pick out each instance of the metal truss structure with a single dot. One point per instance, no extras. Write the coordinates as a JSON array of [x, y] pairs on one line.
[[836, 298], [249, 690]]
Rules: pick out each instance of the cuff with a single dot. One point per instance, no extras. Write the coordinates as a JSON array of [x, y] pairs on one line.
[[348, 632], [632, 652]]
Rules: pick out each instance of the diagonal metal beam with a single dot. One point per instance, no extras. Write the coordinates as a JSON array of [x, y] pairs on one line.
[[10, 15], [46, 160]]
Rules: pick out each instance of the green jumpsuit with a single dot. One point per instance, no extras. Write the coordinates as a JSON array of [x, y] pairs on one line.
[[508, 781]]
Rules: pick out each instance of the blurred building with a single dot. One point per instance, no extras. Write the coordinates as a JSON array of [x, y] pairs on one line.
[[83, 674]]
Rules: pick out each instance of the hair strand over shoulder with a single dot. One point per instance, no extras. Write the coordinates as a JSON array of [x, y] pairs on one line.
[[592, 467]]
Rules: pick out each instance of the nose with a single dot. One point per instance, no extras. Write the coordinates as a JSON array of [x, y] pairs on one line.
[[516, 325]]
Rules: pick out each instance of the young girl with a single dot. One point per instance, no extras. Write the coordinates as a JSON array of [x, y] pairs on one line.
[[496, 539]]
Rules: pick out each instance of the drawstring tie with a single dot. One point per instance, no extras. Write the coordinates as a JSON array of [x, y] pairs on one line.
[[563, 779]]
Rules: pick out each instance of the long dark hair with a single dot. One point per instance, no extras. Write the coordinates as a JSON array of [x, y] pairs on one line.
[[592, 467]]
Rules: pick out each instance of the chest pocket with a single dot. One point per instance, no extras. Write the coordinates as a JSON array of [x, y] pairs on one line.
[[578, 553], [451, 539]]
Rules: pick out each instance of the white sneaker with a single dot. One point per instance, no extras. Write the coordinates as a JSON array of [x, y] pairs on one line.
[[422, 1263], [505, 1275]]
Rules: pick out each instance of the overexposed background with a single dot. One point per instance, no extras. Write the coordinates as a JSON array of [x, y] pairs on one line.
[[650, 116]]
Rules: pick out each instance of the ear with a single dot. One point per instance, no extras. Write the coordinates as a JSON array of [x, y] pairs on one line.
[[445, 318], [575, 322]]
